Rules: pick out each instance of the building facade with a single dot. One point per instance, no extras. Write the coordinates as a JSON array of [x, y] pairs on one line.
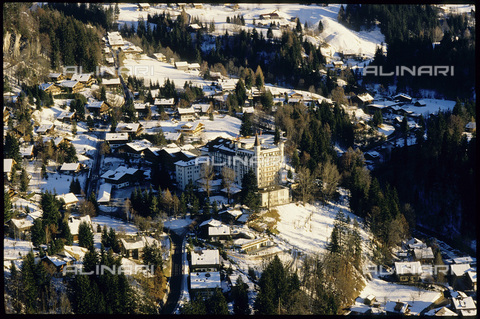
[[266, 160]]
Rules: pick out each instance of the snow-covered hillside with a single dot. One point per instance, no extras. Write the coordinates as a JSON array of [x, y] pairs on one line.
[[340, 38]]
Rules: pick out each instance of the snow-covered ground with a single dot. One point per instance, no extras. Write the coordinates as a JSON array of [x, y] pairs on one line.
[[307, 228], [14, 249], [338, 37], [417, 298], [117, 224]]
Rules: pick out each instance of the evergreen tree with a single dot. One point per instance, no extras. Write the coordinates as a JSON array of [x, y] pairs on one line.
[[240, 298], [241, 92], [24, 180], [246, 129], [276, 137], [38, 233], [29, 287], [12, 148], [85, 235], [259, 78], [7, 207], [217, 304]]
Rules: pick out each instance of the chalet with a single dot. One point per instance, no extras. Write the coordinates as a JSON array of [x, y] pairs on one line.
[[441, 312], [359, 309], [70, 199], [270, 16], [369, 300], [182, 65], [104, 193], [193, 66], [408, 271], [186, 114], [143, 6], [172, 137], [192, 129], [363, 99], [472, 279], [56, 77], [45, 129], [423, 255], [70, 86], [112, 83], [98, 107], [109, 60], [219, 233], [198, 6], [203, 284], [194, 27], [420, 103], [74, 223], [230, 215], [115, 39], [20, 227], [136, 148], [66, 116], [26, 151], [54, 265], [471, 127], [203, 227], [133, 129], [204, 260], [249, 246], [116, 138], [70, 168], [50, 88], [464, 306], [131, 50], [402, 97], [160, 57], [414, 243], [338, 64], [133, 248], [86, 79], [122, 176], [397, 308], [215, 76], [164, 102]]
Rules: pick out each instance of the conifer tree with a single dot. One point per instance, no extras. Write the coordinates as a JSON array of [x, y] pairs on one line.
[[85, 235], [240, 298], [259, 78]]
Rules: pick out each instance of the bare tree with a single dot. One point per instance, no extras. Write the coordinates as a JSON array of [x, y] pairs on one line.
[[228, 176], [306, 184], [207, 177], [329, 179]]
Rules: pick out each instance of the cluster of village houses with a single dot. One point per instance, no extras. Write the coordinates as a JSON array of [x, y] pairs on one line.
[[416, 264]]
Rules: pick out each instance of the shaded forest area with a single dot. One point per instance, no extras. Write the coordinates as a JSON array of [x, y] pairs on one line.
[[437, 175]]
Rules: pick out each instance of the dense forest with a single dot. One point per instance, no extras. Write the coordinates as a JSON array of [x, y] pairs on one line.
[[417, 35], [437, 175]]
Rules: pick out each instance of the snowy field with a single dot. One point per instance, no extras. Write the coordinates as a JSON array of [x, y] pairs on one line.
[[152, 70], [307, 228], [117, 224], [14, 249]]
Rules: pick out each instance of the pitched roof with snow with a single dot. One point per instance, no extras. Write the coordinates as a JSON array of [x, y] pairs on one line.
[[7, 165], [205, 280], [205, 257], [74, 223], [222, 230], [104, 193], [459, 269], [70, 166], [408, 268], [68, 198], [211, 222]]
